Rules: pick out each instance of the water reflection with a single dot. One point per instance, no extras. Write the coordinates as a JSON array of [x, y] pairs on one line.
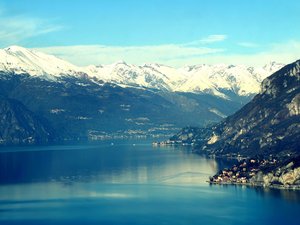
[[111, 164], [288, 195], [126, 184]]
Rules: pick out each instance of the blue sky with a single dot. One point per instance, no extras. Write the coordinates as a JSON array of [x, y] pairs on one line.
[[176, 32]]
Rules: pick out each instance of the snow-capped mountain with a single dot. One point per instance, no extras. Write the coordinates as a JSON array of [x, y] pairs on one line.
[[211, 79], [218, 80], [239, 79], [269, 124], [21, 60], [148, 75], [53, 100]]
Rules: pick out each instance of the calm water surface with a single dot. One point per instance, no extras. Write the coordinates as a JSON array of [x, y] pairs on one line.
[[129, 183]]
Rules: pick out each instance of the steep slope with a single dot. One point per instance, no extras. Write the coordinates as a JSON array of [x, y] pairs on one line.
[[20, 126], [269, 124]]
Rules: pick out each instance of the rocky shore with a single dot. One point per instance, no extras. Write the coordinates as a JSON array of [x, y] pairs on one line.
[[272, 173]]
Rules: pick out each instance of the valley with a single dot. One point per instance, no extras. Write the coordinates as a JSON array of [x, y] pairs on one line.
[[118, 100]]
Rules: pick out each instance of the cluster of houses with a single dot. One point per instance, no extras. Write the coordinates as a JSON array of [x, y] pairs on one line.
[[170, 142], [241, 173]]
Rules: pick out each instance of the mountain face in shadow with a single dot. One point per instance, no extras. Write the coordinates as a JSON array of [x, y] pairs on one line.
[[269, 124], [77, 108], [21, 126]]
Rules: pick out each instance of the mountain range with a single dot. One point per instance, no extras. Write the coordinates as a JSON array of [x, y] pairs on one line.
[[268, 125], [46, 99], [218, 80]]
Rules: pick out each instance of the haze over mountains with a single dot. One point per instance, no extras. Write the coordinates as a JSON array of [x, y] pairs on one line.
[[62, 101]]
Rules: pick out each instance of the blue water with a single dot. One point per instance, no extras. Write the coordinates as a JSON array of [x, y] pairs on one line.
[[129, 183]]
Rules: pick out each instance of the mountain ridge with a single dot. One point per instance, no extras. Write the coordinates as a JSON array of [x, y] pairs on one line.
[[217, 79], [269, 124], [21, 126], [117, 100], [77, 108]]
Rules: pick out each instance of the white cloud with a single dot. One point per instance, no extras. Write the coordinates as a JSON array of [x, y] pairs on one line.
[[248, 44], [174, 55], [214, 38], [285, 52], [100, 54], [165, 53], [207, 40], [17, 28]]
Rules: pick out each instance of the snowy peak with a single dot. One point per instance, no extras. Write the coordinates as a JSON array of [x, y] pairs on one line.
[[216, 79], [285, 80], [211, 79], [21, 60], [16, 49], [273, 66], [147, 76], [203, 78]]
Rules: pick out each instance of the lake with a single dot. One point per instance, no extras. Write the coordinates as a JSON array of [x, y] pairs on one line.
[[129, 182]]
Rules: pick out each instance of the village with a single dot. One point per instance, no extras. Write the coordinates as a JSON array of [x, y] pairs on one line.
[[242, 173]]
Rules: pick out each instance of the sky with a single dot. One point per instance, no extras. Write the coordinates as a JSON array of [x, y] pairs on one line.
[[175, 33]]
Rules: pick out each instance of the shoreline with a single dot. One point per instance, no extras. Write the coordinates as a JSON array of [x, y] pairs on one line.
[[264, 171], [280, 187]]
